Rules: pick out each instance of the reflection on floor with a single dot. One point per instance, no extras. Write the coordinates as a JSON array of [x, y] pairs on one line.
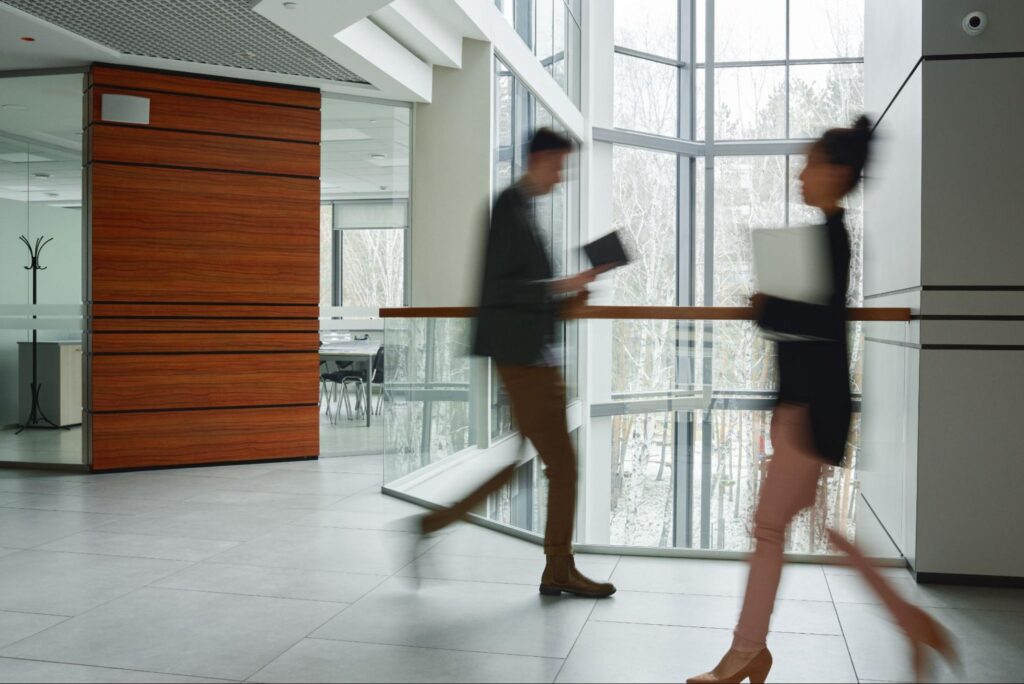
[[52, 447], [351, 437], [64, 447], [300, 572]]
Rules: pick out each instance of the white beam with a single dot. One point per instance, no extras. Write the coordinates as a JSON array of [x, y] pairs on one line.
[[360, 45], [491, 24], [421, 30]]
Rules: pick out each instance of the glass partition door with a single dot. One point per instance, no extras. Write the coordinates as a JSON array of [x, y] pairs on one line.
[[41, 223]]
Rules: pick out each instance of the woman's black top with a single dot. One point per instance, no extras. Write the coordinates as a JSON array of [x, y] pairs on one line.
[[815, 371]]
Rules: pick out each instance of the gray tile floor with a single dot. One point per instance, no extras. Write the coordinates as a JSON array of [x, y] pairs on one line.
[[301, 572]]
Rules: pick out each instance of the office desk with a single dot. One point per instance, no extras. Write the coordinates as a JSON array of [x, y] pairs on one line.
[[364, 352], [60, 377]]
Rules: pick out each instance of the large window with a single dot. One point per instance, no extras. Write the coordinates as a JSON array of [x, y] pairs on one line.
[[551, 28], [518, 113], [368, 252], [724, 133], [364, 218]]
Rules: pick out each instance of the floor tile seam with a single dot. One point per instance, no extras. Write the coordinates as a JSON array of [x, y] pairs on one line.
[[727, 629], [266, 566], [36, 547], [192, 500], [842, 629], [295, 643], [382, 575], [121, 669], [433, 648], [341, 604], [734, 596], [575, 641], [105, 498], [540, 554], [1005, 611], [64, 510], [32, 612], [277, 526], [737, 597], [337, 527], [117, 555]]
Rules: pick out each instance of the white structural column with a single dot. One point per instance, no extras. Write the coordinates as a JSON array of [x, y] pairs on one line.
[[942, 457], [451, 184]]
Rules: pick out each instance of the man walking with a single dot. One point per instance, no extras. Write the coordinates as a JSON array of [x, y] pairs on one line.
[[520, 305]]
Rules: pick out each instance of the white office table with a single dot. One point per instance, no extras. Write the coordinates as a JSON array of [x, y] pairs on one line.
[[355, 351]]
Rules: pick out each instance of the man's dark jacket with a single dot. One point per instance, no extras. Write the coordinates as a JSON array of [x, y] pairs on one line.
[[518, 313]]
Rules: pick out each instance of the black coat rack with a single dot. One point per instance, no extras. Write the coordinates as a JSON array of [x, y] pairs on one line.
[[37, 419]]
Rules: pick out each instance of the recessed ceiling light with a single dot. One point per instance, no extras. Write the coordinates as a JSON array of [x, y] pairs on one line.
[[28, 39], [15, 107]]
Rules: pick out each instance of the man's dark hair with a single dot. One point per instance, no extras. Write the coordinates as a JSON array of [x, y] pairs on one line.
[[547, 140]]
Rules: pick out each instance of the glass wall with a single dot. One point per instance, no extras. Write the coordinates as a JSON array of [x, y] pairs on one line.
[[41, 212], [782, 71], [518, 113], [364, 242], [551, 28]]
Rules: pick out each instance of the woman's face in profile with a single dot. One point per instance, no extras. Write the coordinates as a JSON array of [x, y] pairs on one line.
[[822, 183]]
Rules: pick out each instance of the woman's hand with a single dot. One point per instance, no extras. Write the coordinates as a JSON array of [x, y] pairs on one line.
[[758, 302]]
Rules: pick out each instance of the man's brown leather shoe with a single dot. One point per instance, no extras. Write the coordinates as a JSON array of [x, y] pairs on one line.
[[561, 576]]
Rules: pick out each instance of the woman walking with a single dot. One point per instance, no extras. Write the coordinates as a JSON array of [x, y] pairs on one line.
[[811, 422]]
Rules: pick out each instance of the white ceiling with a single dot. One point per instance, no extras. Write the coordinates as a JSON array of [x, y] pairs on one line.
[[365, 152], [216, 32]]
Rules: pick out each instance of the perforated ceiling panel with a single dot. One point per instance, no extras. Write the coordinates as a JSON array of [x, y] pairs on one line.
[[218, 32]]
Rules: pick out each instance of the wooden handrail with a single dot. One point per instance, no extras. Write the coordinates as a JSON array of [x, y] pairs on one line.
[[663, 313]]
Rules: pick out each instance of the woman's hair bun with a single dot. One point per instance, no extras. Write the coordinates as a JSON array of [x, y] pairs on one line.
[[850, 146]]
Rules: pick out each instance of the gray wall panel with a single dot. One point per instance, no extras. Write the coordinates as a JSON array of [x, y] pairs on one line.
[[887, 466], [892, 200], [892, 46], [970, 463], [944, 33], [973, 170]]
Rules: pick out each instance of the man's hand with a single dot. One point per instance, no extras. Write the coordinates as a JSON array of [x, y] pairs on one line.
[[578, 282]]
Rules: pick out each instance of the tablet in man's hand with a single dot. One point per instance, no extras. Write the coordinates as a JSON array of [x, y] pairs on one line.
[[607, 251]]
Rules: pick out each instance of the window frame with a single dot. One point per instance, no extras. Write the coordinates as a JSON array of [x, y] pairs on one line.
[[690, 152]]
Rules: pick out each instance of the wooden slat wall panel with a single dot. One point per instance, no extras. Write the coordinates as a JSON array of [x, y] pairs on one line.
[[182, 325], [154, 382], [227, 117], [191, 236], [158, 310], [102, 74], [140, 440], [204, 273], [149, 343], [139, 145]]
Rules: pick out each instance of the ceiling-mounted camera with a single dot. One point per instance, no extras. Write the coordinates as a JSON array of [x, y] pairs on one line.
[[975, 23]]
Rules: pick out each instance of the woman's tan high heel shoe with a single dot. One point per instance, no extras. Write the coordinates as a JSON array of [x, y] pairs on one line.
[[737, 666], [926, 633]]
